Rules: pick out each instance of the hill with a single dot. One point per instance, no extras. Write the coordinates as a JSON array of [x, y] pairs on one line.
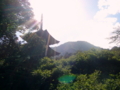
[[73, 47]]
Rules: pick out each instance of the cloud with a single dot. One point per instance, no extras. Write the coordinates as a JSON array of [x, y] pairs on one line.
[[97, 30], [107, 7]]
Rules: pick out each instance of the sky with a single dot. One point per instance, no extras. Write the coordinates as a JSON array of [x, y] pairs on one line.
[[79, 20]]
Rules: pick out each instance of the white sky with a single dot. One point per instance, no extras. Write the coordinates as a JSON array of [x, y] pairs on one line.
[[67, 20]]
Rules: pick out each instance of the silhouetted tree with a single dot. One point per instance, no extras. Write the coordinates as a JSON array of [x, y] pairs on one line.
[[116, 37]]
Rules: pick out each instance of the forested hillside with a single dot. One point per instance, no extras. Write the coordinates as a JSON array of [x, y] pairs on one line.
[[73, 47], [23, 66]]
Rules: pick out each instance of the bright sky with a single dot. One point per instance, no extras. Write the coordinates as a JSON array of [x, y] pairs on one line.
[[79, 20]]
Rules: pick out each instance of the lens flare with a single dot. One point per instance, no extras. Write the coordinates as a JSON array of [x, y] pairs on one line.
[[67, 78]]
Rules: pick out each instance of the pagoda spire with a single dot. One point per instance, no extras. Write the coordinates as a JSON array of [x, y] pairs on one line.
[[41, 22]]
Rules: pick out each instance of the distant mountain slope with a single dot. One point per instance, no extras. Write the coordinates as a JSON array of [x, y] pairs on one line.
[[72, 47]]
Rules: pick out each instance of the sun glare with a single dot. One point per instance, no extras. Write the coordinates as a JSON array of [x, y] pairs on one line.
[[56, 10], [61, 15], [66, 20]]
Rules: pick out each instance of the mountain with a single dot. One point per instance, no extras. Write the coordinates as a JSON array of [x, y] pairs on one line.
[[73, 47]]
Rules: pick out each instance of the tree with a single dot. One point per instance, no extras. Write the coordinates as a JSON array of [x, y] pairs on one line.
[[13, 72], [116, 37], [13, 14]]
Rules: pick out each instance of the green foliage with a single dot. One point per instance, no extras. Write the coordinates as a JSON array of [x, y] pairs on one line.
[[91, 82], [15, 67], [103, 60], [84, 66], [35, 46], [65, 64], [12, 14]]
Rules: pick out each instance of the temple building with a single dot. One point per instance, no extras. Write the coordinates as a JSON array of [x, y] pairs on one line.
[[48, 39]]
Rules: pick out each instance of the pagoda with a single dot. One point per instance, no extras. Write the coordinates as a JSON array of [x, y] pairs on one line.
[[49, 52]]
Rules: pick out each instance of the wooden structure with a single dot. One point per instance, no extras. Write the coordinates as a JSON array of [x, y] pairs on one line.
[[49, 40]]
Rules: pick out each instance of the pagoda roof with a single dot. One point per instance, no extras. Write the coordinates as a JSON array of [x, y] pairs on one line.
[[46, 35], [51, 52]]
